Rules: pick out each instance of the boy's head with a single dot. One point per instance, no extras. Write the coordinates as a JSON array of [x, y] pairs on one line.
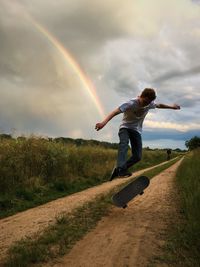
[[147, 96], [149, 93]]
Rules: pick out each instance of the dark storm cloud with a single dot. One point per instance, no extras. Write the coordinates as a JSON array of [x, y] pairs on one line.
[[186, 96], [120, 81], [176, 74], [23, 55], [128, 46], [82, 26], [196, 1], [170, 134]]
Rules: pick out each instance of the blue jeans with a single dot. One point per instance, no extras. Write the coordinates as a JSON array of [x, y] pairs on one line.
[[136, 147]]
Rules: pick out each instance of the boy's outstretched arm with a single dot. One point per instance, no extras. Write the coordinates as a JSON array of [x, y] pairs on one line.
[[100, 125], [174, 106]]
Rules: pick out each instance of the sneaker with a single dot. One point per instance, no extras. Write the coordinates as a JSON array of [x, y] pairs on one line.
[[124, 173], [114, 174]]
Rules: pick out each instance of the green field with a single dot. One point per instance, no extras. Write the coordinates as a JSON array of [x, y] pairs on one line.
[[36, 170], [183, 245], [59, 238]]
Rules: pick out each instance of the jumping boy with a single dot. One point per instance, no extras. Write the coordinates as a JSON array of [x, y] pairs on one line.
[[130, 129]]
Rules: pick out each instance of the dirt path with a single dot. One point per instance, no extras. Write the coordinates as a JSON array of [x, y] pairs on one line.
[[129, 237], [34, 220]]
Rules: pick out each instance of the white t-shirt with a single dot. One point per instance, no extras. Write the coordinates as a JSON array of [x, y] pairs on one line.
[[134, 114]]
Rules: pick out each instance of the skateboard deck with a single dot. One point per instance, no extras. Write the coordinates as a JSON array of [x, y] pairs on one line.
[[121, 198]]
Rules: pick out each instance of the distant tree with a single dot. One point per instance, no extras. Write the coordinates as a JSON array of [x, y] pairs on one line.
[[21, 138], [5, 136], [79, 141], [83, 142], [178, 150], [193, 143]]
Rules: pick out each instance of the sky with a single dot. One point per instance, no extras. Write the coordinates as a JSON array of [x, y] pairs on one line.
[[66, 64]]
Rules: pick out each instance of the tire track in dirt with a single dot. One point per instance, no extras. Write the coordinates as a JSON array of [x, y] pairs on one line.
[[129, 237], [35, 220]]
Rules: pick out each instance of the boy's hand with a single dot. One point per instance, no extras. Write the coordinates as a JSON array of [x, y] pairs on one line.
[[99, 126], [175, 106]]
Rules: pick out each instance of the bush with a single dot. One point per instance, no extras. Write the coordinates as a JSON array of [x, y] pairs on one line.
[[193, 143], [21, 160]]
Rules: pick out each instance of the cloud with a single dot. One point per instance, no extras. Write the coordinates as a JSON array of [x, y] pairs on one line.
[[196, 1], [181, 127], [177, 74], [169, 135], [123, 47], [165, 143]]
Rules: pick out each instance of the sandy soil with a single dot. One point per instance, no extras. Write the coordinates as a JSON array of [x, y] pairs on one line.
[[133, 236], [118, 239]]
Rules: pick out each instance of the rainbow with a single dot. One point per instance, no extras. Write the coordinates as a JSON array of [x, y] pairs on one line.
[[87, 83]]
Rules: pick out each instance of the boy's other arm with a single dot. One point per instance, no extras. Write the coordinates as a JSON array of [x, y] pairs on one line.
[[174, 106], [100, 125]]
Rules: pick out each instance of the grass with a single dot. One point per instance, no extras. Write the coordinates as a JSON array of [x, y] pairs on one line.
[[183, 238], [59, 238], [34, 170], [156, 170]]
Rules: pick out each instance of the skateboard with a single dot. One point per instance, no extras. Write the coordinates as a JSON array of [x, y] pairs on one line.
[[136, 187]]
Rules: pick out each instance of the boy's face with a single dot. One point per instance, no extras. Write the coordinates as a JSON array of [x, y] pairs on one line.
[[145, 101]]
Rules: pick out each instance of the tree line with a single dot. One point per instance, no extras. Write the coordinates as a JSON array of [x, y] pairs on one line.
[[191, 144]]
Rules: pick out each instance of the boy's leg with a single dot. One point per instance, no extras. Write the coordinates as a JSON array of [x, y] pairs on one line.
[[123, 148], [121, 169], [136, 148]]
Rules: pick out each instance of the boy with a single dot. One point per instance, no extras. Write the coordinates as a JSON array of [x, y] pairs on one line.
[[134, 111]]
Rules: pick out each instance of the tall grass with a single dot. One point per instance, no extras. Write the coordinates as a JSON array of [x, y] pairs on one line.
[[36, 170], [25, 162], [37, 161], [183, 245], [188, 177]]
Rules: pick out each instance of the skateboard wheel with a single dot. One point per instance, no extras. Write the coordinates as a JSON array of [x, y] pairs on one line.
[[142, 193], [125, 206]]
